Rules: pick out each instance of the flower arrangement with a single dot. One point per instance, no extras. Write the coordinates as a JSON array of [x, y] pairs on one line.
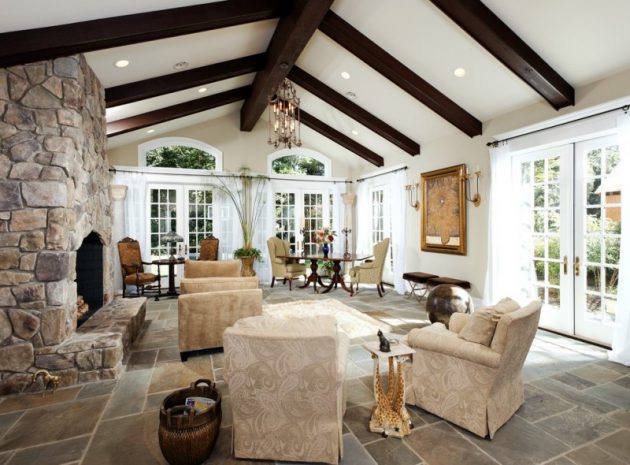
[[324, 236]]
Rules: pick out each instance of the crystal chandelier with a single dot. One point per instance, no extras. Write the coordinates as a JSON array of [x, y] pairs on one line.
[[284, 117]]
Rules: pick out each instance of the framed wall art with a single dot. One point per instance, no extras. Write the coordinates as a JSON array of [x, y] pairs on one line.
[[444, 210]]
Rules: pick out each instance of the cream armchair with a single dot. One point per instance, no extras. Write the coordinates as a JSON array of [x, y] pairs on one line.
[[213, 297], [282, 267], [475, 386], [285, 377], [371, 272]]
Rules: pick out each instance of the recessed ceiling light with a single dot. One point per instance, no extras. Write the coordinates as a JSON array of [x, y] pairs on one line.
[[150, 131], [121, 63], [181, 65], [345, 74], [459, 72], [355, 132], [351, 95], [202, 90]]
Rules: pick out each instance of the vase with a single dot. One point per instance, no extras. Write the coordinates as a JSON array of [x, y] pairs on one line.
[[247, 269], [325, 250]]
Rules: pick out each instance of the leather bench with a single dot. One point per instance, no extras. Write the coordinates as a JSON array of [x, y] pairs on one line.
[[418, 282], [443, 280]]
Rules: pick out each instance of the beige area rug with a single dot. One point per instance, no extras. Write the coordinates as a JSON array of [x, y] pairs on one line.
[[350, 321]]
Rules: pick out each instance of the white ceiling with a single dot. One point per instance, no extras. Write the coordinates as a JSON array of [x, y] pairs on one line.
[[583, 40]]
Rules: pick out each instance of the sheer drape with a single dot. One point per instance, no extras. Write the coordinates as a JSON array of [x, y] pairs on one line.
[[136, 218], [397, 204], [363, 226], [621, 337]]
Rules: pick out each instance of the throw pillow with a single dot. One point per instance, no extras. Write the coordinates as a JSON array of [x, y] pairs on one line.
[[480, 326], [506, 305]]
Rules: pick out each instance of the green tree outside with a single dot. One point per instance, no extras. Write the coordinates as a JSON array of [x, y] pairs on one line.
[[298, 164], [179, 156]]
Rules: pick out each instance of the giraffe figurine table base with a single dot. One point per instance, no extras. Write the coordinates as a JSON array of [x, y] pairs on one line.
[[390, 416]]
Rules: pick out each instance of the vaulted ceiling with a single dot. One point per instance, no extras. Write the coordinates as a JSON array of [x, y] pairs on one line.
[[400, 57]]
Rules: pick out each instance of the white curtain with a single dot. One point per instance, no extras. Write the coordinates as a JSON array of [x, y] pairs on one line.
[[397, 204], [264, 230], [620, 352], [363, 226], [503, 273], [135, 209]]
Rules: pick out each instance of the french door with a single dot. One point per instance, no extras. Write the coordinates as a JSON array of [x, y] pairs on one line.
[[381, 226], [569, 235]]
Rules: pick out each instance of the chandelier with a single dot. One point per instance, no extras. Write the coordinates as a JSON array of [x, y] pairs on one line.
[[284, 117]]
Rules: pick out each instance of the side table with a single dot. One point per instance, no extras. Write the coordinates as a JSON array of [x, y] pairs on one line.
[[389, 416], [172, 290]]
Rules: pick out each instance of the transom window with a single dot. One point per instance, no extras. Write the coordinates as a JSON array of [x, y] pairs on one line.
[[299, 162], [181, 153]]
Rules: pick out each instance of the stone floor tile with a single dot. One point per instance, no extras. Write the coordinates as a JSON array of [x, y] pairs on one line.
[[440, 444], [130, 440], [624, 382], [154, 401], [358, 393], [142, 360], [129, 395], [7, 421], [168, 315], [577, 426], [418, 413], [560, 461], [168, 354], [592, 455], [54, 423], [581, 398], [4, 457], [56, 453], [389, 452], [621, 417], [617, 444], [354, 453], [596, 374], [169, 376], [218, 359], [357, 419], [519, 443], [572, 380], [226, 411], [618, 367], [36, 399], [100, 388], [612, 393], [539, 404]]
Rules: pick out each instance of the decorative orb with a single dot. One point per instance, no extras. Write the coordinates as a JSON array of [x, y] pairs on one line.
[[446, 299]]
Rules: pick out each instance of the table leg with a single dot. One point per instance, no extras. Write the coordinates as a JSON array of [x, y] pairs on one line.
[[171, 280], [313, 277], [337, 279]]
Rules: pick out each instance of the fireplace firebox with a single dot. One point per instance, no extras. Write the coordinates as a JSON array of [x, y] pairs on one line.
[[89, 279]]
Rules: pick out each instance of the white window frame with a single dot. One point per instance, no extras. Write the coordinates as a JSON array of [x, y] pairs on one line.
[[300, 151], [183, 141]]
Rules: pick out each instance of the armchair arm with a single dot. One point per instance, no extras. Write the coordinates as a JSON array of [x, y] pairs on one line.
[[447, 343], [367, 265]]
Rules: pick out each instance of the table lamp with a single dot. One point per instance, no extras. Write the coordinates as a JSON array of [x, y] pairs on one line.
[[172, 238]]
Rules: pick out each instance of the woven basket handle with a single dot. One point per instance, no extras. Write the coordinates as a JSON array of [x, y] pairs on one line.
[[174, 417], [201, 381]]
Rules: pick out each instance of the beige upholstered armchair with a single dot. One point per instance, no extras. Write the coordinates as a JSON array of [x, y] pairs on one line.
[[473, 385], [371, 272], [282, 267], [285, 377], [213, 296]]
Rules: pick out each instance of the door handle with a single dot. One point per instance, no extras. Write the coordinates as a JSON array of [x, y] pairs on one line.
[[565, 264], [577, 266]]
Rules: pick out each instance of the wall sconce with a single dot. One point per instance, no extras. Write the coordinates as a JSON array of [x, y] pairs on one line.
[[475, 199], [412, 195]]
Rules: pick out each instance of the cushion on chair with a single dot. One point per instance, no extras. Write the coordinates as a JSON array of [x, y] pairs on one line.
[[296, 268], [194, 285], [142, 278], [479, 328], [211, 269], [506, 305]]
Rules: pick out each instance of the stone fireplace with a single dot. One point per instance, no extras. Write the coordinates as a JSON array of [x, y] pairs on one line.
[[54, 199]]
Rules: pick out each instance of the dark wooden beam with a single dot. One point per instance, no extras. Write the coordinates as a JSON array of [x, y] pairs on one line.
[[359, 45], [354, 111], [121, 126], [50, 42], [495, 36], [153, 87], [291, 36], [340, 138]]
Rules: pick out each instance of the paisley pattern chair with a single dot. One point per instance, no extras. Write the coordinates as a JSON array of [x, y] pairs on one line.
[[209, 248], [371, 272], [132, 268]]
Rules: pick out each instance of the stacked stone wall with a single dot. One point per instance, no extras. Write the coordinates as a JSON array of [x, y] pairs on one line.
[[54, 191]]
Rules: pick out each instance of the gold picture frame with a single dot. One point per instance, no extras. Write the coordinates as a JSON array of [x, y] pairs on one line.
[[444, 210]]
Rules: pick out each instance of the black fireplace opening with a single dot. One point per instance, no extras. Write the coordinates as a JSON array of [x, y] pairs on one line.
[[89, 272]]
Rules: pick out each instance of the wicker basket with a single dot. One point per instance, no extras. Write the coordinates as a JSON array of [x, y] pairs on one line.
[[189, 439]]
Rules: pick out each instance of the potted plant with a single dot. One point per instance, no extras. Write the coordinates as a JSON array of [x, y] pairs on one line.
[[247, 193], [327, 268]]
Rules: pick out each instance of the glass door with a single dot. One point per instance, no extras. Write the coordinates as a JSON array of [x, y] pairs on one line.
[[382, 227], [597, 237]]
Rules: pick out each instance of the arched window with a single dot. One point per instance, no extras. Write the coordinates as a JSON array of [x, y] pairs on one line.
[[299, 161], [180, 152]]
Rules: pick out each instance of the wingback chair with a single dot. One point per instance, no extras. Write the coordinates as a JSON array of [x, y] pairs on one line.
[[475, 386], [286, 376], [281, 267], [371, 272], [132, 268], [209, 248]]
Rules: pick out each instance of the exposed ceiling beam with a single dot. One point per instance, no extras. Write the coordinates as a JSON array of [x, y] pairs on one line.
[[340, 138], [354, 111], [358, 44], [54, 41], [121, 126], [291, 36], [140, 90], [495, 36]]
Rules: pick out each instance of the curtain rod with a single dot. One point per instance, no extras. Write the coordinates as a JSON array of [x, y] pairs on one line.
[[382, 174], [114, 170], [496, 143]]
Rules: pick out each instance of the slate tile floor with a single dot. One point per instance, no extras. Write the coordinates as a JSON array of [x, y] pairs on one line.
[[576, 412]]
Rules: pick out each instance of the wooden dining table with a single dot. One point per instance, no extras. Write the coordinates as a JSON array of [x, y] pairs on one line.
[[336, 279]]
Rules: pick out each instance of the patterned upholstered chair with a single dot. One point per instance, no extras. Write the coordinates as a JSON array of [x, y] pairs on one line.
[[285, 377], [209, 248], [132, 268], [473, 385], [371, 272], [281, 267]]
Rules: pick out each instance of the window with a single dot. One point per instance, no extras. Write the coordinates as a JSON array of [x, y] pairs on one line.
[[163, 211], [181, 153], [298, 162]]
